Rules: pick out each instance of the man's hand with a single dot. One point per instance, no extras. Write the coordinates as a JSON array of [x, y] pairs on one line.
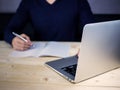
[[19, 44]]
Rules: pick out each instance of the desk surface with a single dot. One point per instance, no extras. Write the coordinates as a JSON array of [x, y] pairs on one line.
[[32, 74]]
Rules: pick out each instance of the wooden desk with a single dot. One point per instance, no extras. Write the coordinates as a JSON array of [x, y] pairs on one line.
[[32, 74]]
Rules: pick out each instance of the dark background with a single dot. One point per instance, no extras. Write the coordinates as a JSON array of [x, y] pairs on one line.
[[103, 10]]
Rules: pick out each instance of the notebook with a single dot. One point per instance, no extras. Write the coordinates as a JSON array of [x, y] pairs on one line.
[[40, 49], [99, 53]]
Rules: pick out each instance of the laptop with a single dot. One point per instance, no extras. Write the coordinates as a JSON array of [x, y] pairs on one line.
[[99, 53]]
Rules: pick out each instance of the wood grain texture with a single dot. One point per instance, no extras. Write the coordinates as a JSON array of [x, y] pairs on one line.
[[31, 74]]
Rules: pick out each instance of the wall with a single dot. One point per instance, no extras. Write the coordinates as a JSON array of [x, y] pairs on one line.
[[105, 6], [98, 6]]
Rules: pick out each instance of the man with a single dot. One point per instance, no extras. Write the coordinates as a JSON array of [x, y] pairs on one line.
[[53, 20]]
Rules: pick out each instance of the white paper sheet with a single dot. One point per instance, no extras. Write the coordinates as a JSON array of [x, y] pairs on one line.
[[38, 49]]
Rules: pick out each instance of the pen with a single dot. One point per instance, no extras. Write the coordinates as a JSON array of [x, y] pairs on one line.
[[17, 35]]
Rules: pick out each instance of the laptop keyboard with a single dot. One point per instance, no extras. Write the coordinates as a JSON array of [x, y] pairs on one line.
[[70, 69]]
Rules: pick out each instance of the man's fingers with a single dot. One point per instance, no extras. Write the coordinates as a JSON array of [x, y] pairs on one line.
[[27, 38], [19, 44]]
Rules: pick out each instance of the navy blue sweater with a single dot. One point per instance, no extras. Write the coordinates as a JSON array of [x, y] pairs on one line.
[[57, 22]]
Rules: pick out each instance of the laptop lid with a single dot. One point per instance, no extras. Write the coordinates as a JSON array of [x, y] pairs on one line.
[[99, 52]]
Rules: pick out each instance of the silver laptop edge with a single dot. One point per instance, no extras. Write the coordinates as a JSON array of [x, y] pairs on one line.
[[99, 51]]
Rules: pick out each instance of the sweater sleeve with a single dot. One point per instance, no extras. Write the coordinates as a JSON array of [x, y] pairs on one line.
[[18, 21], [85, 13]]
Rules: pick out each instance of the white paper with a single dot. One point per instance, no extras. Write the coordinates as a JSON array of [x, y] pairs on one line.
[[57, 49]]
